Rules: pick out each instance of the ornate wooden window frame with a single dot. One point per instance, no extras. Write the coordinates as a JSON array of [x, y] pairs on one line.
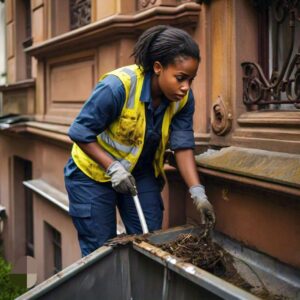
[[283, 87], [276, 130]]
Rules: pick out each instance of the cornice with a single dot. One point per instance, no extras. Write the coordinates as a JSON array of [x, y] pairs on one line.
[[47, 131], [113, 27], [24, 84]]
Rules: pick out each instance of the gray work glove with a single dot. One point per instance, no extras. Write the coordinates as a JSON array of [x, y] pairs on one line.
[[203, 205], [122, 181]]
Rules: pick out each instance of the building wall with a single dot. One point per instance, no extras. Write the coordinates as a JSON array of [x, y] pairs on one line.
[[2, 51], [47, 160], [2, 45], [47, 213], [65, 66]]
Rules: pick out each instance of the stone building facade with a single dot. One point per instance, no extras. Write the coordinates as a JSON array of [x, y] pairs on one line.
[[247, 95]]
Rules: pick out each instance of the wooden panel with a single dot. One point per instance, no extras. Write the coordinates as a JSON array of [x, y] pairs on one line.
[[10, 40], [72, 82], [40, 88], [60, 17], [38, 28], [202, 81], [11, 70], [260, 218], [125, 49], [37, 3], [9, 11], [126, 7], [18, 102], [222, 62], [102, 9], [107, 57]]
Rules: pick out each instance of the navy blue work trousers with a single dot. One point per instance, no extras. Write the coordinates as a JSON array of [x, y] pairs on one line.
[[92, 206]]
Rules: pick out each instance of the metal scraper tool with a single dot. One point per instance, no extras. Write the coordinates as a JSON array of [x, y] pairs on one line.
[[140, 213]]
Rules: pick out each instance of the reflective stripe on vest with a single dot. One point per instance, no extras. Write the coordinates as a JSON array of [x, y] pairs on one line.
[[124, 139], [114, 144], [130, 102]]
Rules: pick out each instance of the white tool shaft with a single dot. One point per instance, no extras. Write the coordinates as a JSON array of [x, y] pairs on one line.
[[140, 214]]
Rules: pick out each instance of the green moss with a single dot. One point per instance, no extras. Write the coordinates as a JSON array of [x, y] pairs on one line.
[[11, 285]]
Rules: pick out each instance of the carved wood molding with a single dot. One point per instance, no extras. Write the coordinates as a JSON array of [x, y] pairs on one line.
[[115, 27], [141, 4], [270, 130], [145, 4], [272, 119], [221, 117]]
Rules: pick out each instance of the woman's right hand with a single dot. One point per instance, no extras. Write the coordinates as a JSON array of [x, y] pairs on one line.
[[122, 181]]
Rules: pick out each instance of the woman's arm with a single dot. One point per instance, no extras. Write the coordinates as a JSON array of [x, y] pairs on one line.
[[186, 163], [100, 110], [187, 168]]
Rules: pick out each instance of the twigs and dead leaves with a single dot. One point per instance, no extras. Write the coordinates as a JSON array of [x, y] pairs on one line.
[[202, 252]]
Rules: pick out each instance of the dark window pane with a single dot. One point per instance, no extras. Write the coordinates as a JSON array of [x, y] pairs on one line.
[[80, 13], [56, 240]]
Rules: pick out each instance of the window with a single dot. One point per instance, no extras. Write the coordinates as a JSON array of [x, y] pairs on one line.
[[23, 38], [29, 212], [23, 208], [80, 13], [53, 252], [28, 39], [66, 15], [274, 83]]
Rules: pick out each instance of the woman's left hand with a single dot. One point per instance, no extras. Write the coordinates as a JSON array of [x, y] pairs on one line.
[[203, 205]]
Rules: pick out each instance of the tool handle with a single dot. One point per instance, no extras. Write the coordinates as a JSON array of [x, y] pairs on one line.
[[140, 214]]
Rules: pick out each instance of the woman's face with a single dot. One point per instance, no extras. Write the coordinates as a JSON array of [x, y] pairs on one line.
[[175, 79]]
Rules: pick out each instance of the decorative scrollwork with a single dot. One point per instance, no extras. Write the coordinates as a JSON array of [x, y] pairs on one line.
[[284, 84], [221, 118], [144, 3], [80, 13]]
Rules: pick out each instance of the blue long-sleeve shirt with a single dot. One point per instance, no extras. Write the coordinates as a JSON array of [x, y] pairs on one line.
[[105, 105]]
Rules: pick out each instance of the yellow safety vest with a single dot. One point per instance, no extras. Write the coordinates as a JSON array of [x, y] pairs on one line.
[[124, 139]]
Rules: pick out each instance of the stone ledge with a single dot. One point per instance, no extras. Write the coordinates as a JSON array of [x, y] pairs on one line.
[[24, 84], [274, 167], [49, 131], [48, 192]]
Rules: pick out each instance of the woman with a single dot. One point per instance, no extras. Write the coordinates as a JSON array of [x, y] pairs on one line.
[[120, 137]]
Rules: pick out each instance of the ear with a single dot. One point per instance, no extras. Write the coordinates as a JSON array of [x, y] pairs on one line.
[[157, 68]]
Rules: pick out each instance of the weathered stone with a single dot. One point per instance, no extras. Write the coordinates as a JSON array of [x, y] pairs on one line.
[[270, 166]]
